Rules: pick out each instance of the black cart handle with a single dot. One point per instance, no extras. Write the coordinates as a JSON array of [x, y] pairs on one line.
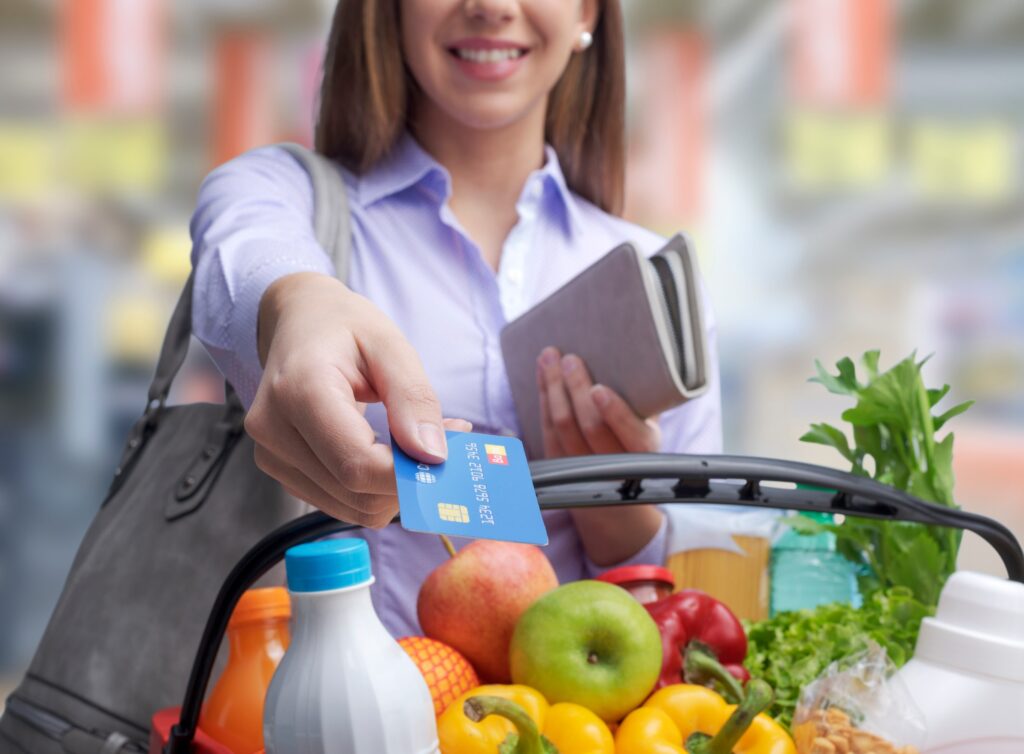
[[630, 479]]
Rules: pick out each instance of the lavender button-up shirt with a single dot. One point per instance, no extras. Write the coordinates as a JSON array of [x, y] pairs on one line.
[[410, 256]]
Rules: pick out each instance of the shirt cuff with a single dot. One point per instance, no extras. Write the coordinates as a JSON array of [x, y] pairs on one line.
[[654, 552], [244, 319]]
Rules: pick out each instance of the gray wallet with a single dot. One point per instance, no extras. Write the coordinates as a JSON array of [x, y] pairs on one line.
[[635, 321]]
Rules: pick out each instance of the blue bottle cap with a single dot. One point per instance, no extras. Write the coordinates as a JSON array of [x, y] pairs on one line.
[[326, 565]]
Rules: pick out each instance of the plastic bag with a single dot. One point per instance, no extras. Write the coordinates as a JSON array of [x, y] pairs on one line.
[[857, 707]]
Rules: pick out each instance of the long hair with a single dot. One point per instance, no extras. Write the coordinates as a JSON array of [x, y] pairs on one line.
[[366, 95]]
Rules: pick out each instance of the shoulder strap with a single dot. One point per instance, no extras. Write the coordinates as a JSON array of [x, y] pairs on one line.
[[332, 228], [330, 205], [174, 348]]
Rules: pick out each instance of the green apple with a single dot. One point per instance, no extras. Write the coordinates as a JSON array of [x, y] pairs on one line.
[[589, 643]]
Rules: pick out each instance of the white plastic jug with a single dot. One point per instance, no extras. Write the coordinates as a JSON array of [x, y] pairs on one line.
[[967, 674], [344, 686]]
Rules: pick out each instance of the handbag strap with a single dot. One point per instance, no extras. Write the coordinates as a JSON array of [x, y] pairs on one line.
[[331, 219], [174, 348], [332, 228]]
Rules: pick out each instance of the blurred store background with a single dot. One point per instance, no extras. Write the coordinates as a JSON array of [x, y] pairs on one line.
[[851, 170]]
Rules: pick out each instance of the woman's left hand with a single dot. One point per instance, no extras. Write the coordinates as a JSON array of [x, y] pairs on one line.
[[581, 418]]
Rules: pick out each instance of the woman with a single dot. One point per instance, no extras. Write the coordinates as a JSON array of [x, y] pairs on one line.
[[482, 146]]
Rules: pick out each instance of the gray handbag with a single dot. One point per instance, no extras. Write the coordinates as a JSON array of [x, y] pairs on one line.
[[186, 503]]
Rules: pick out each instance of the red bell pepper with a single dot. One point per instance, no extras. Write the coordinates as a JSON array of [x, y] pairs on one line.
[[693, 616]]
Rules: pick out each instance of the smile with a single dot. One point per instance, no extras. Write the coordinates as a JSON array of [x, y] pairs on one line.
[[488, 56]]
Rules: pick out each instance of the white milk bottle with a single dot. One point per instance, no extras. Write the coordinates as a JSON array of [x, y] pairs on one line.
[[967, 673], [344, 686]]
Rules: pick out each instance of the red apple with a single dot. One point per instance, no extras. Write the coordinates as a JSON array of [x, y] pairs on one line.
[[472, 601]]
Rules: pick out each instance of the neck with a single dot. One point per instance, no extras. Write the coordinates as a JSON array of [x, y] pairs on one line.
[[488, 168], [489, 163]]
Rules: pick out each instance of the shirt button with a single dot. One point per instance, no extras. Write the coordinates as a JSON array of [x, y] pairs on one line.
[[515, 275]]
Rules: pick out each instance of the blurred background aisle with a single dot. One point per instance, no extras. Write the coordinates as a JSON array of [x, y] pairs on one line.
[[850, 170]]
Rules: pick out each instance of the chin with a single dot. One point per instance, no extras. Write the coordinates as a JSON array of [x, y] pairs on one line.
[[490, 112], [488, 121]]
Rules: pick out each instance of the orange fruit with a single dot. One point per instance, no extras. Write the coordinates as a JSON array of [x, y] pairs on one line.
[[448, 674]]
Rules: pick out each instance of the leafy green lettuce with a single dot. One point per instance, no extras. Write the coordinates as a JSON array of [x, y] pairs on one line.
[[792, 649]]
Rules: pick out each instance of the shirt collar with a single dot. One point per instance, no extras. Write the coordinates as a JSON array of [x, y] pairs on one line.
[[408, 165], [556, 186]]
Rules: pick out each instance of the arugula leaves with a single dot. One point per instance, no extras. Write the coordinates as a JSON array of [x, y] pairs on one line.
[[792, 649], [894, 441]]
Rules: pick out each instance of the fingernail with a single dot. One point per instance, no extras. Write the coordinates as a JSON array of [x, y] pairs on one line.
[[569, 364], [600, 396], [549, 357], [432, 440]]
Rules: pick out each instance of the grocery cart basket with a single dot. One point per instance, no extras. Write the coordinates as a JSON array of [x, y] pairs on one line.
[[630, 479]]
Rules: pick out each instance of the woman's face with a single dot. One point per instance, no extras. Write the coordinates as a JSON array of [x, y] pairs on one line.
[[490, 63]]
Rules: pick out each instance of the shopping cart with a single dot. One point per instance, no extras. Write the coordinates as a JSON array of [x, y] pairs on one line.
[[624, 479]]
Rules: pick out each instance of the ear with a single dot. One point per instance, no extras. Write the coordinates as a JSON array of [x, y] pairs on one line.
[[590, 11]]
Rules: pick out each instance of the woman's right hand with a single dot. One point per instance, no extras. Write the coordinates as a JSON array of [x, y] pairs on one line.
[[326, 352]]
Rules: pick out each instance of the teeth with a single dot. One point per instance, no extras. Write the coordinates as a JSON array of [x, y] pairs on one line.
[[488, 56]]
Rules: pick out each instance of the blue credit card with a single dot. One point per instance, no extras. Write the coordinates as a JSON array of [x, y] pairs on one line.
[[484, 490]]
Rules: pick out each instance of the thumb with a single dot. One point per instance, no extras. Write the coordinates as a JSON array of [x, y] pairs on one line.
[[414, 411]]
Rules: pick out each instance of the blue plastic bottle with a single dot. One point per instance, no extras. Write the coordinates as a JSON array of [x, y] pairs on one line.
[[806, 571]]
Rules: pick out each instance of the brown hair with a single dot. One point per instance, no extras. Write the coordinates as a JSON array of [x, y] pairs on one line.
[[366, 91]]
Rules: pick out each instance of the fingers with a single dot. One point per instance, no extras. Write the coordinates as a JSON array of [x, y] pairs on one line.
[[458, 425], [559, 405], [633, 433], [290, 448], [578, 417], [414, 412], [321, 489], [346, 445], [655, 433], [374, 511], [329, 351], [552, 448], [592, 425], [320, 416]]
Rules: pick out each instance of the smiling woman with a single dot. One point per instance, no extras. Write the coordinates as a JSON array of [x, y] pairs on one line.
[[481, 143], [443, 62]]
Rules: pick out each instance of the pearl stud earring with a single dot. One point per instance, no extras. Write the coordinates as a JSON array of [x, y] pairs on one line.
[[586, 39]]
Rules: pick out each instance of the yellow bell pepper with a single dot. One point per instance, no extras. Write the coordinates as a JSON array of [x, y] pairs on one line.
[[483, 725], [458, 734], [688, 719], [576, 730]]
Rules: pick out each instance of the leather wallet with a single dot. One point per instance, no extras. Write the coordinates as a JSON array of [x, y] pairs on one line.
[[635, 321]]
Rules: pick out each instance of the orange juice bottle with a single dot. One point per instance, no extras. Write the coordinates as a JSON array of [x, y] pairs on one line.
[[258, 637]]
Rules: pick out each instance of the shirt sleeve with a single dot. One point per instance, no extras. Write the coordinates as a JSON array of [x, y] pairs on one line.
[[253, 224]]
